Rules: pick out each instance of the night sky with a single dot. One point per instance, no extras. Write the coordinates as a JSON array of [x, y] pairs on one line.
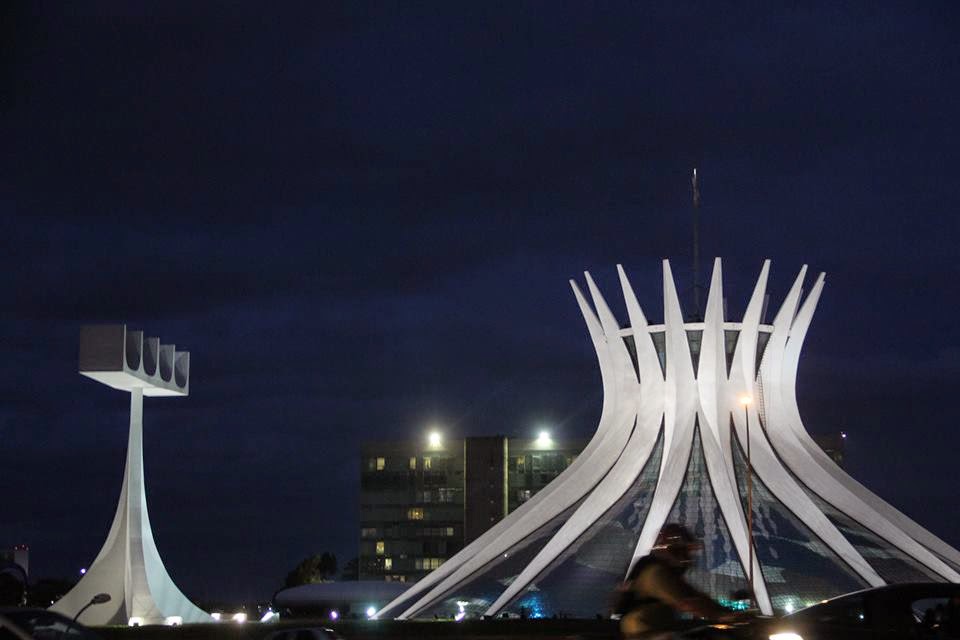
[[361, 219]]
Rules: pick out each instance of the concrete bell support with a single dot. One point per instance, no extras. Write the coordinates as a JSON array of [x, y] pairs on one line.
[[128, 566]]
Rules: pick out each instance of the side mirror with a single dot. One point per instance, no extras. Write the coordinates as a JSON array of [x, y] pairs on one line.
[[100, 598]]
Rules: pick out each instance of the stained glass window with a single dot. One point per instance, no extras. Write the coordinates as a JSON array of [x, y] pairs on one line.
[[660, 344], [694, 340], [730, 346], [798, 568], [716, 570], [763, 338], [950, 563], [474, 596], [629, 341], [578, 584], [892, 564]]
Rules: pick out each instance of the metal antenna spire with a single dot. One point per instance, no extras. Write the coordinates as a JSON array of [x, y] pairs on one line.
[[696, 246]]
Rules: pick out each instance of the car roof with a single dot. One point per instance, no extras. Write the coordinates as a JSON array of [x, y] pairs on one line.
[[903, 588]]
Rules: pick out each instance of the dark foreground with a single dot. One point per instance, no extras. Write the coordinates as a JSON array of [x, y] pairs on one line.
[[378, 629]]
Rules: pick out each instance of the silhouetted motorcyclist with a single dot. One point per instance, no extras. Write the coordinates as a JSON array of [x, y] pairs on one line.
[[655, 592]]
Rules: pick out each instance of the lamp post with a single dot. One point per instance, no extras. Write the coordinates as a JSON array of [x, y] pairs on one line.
[[100, 598], [746, 402]]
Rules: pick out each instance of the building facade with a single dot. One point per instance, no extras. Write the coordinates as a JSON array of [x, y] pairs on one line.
[[421, 502], [685, 404]]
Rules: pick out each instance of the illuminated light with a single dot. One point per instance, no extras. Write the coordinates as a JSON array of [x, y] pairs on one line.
[[334, 614], [843, 434], [239, 618], [434, 439], [269, 615], [216, 616], [788, 607], [462, 613], [543, 439], [173, 621], [746, 400], [83, 571], [786, 635], [371, 611], [135, 621], [535, 608]]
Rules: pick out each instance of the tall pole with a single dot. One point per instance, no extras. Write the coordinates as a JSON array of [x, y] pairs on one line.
[[746, 416], [696, 246]]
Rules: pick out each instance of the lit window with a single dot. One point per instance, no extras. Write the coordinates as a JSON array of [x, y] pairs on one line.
[[427, 564], [449, 531], [368, 532], [432, 563], [388, 563], [521, 464], [380, 547], [413, 463], [381, 463], [426, 463], [415, 514]]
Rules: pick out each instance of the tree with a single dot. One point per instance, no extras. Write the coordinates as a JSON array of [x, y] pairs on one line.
[[47, 590], [351, 570], [12, 589], [316, 568]]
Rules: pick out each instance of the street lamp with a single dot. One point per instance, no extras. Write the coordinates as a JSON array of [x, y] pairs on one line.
[[434, 439], [100, 598], [746, 401], [544, 440]]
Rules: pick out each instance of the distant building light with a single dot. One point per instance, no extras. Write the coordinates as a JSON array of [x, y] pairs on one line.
[[544, 439], [371, 611], [843, 434], [216, 616], [434, 439], [83, 571], [239, 618], [334, 614]]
